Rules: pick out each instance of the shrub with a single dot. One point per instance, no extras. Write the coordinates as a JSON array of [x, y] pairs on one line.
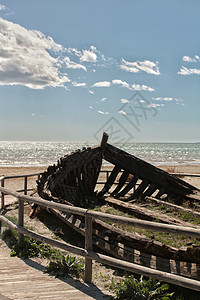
[[64, 266], [59, 265], [134, 289]]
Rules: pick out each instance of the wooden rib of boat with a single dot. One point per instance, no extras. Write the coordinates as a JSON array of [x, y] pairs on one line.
[[73, 180]]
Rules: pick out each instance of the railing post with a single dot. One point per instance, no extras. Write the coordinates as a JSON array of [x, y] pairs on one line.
[[107, 175], [20, 218], [2, 193], [25, 184], [88, 246]]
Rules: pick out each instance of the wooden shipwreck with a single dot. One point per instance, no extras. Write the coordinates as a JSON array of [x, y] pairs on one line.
[[74, 181]]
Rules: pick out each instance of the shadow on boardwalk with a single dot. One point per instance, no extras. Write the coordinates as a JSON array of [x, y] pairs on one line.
[[87, 288], [25, 279]]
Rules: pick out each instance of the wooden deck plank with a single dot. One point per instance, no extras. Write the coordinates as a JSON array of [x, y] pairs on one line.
[[20, 280]]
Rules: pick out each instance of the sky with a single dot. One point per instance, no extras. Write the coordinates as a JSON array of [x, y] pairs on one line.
[[70, 70]]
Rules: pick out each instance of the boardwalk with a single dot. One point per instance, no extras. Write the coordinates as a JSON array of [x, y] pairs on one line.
[[24, 279]]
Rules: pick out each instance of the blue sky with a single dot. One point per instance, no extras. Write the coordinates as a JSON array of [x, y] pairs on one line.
[[72, 69]]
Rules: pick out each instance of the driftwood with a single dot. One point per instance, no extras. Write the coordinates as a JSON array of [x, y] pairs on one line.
[[174, 206], [146, 214]]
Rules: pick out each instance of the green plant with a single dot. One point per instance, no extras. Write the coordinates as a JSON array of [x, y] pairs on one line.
[[134, 289], [10, 237], [59, 265], [64, 266], [29, 247]]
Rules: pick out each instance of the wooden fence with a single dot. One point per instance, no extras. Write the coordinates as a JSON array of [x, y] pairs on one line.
[[25, 188], [87, 252]]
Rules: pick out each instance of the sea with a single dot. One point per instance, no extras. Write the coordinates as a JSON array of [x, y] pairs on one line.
[[30, 153]]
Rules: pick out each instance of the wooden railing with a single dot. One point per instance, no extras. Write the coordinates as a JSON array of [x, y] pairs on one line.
[[87, 252], [25, 188]]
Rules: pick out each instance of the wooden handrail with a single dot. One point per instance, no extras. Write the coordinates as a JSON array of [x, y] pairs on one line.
[[91, 255], [2, 179], [25, 189], [89, 215], [175, 229], [20, 176], [88, 253]]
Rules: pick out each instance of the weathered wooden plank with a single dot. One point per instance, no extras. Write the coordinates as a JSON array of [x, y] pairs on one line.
[[116, 235], [138, 192], [145, 213], [96, 168], [122, 181], [20, 218], [193, 197], [86, 181], [146, 171], [110, 181], [151, 189], [129, 186], [74, 161], [104, 139], [40, 285], [174, 206], [171, 278], [88, 246], [187, 231], [190, 270], [160, 193]]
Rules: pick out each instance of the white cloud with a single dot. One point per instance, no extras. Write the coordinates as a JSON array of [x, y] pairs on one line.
[[146, 66], [163, 99], [80, 84], [2, 7], [103, 113], [129, 69], [186, 71], [25, 58], [122, 112], [91, 107], [74, 51], [102, 84], [125, 101], [90, 92], [120, 82], [88, 56], [133, 86], [73, 65], [154, 105], [189, 71], [178, 101], [143, 87], [103, 99], [190, 59]]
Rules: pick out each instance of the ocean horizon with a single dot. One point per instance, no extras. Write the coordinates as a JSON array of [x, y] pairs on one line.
[[38, 153]]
